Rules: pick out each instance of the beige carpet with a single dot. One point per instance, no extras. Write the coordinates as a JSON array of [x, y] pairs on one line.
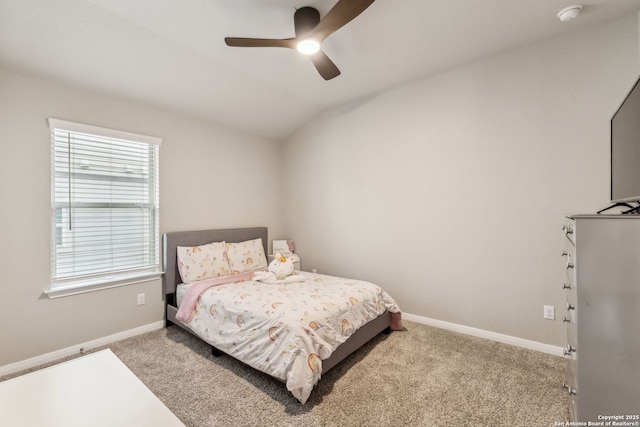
[[421, 377]]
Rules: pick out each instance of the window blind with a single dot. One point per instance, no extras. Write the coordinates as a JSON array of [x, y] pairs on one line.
[[104, 204]]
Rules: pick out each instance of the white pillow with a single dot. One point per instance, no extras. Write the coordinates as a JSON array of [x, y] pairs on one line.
[[246, 256], [202, 262]]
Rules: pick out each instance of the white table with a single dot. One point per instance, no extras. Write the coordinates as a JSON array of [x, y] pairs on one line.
[[94, 390]]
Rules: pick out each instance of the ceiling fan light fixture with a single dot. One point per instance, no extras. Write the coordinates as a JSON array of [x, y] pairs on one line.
[[308, 46]]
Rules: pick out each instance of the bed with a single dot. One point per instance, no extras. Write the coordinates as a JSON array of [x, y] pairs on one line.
[[297, 369]]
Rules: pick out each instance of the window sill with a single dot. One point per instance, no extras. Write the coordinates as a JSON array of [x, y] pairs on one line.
[[77, 288]]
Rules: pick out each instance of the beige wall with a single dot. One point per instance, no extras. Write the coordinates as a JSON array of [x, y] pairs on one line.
[[450, 191], [203, 184]]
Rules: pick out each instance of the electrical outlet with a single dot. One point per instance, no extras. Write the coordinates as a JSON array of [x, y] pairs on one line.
[[140, 299], [549, 312]]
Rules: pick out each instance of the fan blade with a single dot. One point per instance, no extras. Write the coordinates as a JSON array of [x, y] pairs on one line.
[[342, 13], [324, 65], [248, 42]]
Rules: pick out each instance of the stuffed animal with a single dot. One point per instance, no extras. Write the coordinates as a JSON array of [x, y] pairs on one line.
[[281, 266]]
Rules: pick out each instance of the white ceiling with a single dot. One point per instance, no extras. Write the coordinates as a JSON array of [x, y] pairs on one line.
[[171, 53]]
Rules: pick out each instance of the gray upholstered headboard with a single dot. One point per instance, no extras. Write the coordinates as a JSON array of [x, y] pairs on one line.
[[170, 242]]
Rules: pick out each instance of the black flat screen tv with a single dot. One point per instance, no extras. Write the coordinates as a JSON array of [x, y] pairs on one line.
[[625, 149]]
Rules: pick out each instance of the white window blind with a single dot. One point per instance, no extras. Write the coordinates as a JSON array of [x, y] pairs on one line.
[[104, 205]]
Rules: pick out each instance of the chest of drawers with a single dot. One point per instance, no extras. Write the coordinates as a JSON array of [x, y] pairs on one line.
[[602, 316]]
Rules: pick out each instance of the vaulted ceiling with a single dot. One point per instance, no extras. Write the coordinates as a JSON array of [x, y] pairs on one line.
[[171, 53]]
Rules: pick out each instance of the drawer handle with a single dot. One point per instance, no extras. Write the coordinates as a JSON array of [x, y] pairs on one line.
[[566, 319], [567, 228], [567, 351], [566, 286], [570, 307], [564, 253], [572, 391], [569, 265]]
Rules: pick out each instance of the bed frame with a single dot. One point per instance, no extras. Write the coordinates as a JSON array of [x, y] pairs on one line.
[[171, 278]]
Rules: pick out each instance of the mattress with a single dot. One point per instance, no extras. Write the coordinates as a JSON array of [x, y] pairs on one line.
[[286, 329], [181, 291]]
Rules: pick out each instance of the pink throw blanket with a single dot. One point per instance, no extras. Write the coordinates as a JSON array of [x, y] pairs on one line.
[[185, 312]]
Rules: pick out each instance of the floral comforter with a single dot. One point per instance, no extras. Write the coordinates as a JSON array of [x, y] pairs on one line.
[[287, 329]]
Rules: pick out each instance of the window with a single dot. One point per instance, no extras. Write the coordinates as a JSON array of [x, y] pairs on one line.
[[104, 207]]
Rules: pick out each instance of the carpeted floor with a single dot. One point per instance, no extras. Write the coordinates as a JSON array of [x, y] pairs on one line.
[[420, 377]]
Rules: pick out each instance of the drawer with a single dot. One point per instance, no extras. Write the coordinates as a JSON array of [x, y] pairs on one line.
[[570, 350], [570, 386], [568, 252], [572, 331], [571, 303], [570, 375], [570, 288], [573, 410], [570, 315], [568, 229], [568, 265]]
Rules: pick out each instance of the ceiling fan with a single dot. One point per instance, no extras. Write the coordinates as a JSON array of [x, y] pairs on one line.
[[310, 32]]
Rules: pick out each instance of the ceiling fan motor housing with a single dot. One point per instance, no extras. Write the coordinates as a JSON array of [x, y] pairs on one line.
[[305, 19]]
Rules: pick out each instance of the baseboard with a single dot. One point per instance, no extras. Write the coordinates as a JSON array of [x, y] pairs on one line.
[[481, 333], [70, 351]]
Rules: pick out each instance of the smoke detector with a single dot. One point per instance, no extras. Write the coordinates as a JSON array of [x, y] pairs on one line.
[[569, 13]]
